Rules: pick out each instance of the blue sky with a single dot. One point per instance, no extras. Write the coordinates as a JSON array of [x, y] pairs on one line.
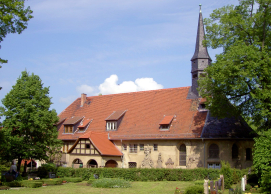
[[105, 46]]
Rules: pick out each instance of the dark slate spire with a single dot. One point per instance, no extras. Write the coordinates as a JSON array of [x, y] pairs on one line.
[[199, 61], [200, 50]]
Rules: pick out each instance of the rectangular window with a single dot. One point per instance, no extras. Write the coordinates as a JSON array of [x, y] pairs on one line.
[[124, 147], [164, 127], [111, 125], [133, 148], [248, 153], [155, 147], [141, 147], [68, 128], [214, 165], [132, 164]]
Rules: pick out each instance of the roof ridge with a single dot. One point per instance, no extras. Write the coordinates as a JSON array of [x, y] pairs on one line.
[[139, 91]]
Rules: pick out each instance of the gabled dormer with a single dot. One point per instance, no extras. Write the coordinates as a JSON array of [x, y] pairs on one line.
[[114, 120], [71, 124], [84, 124], [166, 122]]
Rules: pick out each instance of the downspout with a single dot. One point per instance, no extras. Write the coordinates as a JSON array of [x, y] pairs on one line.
[[122, 154], [203, 153]]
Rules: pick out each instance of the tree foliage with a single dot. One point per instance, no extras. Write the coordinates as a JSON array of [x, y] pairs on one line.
[[241, 73], [28, 127]]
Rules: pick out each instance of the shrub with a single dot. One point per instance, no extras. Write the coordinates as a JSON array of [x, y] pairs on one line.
[[13, 184], [52, 181], [32, 184], [44, 170], [91, 180], [72, 179], [248, 187], [195, 189], [266, 182], [227, 172], [65, 172], [4, 188], [199, 182], [111, 183]]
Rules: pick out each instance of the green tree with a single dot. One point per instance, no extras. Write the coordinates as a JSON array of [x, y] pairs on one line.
[[240, 78], [241, 73], [28, 127]]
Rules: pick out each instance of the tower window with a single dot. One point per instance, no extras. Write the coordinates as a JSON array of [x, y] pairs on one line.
[[195, 76]]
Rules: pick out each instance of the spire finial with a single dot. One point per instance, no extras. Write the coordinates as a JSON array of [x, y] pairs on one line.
[[200, 8]]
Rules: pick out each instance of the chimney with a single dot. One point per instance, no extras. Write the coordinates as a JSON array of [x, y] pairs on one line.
[[83, 99]]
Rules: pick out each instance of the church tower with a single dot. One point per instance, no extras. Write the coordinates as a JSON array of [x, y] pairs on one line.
[[199, 61]]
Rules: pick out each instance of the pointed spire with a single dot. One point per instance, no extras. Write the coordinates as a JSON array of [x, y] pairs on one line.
[[200, 51]]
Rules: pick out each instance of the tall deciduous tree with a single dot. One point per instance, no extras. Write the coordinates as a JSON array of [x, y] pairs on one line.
[[28, 127], [241, 74]]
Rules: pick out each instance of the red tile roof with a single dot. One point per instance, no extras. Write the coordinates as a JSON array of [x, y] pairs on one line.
[[144, 113], [166, 120], [84, 123], [101, 143], [115, 115], [73, 120]]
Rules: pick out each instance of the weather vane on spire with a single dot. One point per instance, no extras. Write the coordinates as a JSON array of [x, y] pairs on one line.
[[200, 8]]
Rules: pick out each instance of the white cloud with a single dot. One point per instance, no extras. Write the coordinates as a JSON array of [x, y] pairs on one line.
[[110, 86], [85, 89]]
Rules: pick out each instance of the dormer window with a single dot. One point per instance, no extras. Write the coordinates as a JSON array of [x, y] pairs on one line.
[[114, 120], [166, 122], [202, 107], [111, 125], [72, 124], [84, 125], [68, 128]]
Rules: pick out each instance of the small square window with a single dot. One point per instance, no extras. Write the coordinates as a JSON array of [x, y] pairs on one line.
[[155, 147], [87, 145], [141, 146]]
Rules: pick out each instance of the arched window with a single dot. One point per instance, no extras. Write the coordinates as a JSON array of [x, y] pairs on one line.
[[213, 151], [234, 151], [182, 159]]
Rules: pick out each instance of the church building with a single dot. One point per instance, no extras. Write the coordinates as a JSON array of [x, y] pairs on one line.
[[166, 128]]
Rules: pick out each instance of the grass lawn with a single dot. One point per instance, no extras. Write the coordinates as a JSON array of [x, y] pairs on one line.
[[163, 187]]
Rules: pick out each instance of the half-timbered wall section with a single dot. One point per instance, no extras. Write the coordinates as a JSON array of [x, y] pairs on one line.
[[84, 146]]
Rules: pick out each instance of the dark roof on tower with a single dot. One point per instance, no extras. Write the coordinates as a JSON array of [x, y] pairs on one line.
[[200, 50]]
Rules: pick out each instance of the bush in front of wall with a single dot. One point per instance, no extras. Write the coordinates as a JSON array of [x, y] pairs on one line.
[[195, 189], [227, 172], [32, 184], [111, 183]]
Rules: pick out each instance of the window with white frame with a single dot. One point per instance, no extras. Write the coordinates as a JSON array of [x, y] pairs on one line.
[[111, 125], [133, 148], [214, 165]]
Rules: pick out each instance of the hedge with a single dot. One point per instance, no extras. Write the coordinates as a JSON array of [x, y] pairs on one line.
[[140, 174]]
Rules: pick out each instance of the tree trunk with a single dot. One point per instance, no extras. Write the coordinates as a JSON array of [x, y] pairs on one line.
[[19, 164]]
